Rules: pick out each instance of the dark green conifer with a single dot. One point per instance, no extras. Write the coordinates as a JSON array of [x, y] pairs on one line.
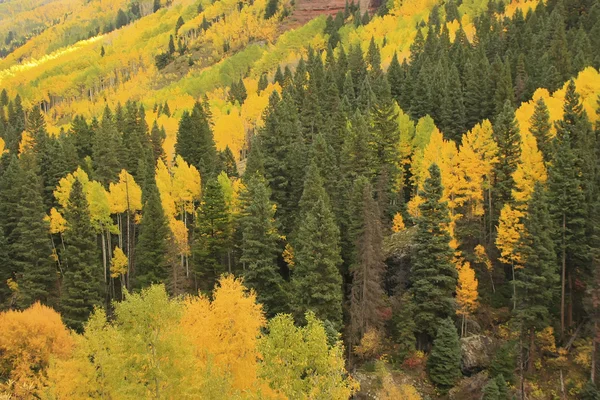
[[260, 247], [316, 279], [443, 364], [540, 128], [81, 289], [151, 250], [508, 138], [433, 274]]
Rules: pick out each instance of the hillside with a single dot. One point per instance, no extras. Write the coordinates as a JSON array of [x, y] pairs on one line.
[[298, 199]]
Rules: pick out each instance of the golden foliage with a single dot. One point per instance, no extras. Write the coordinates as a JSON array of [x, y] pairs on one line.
[[228, 339], [28, 341], [509, 234], [371, 345], [466, 290], [398, 223], [56, 221], [118, 264], [125, 195]]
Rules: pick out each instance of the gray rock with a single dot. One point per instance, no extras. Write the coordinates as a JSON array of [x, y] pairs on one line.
[[477, 352]]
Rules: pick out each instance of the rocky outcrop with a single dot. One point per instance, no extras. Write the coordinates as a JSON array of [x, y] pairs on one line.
[[477, 352]]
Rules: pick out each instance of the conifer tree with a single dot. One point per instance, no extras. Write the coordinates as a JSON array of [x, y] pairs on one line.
[[157, 137], [212, 235], [567, 204], [195, 141], [395, 76], [508, 138], [316, 279], [171, 45], [538, 280], [434, 276], [30, 249], [151, 251], [491, 391], [107, 148], [443, 364], [367, 294], [81, 289], [540, 128], [156, 5], [259, 246]]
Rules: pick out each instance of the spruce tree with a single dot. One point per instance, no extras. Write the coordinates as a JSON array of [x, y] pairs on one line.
[[316, 279], [538, 280], [30, 247], [157, 137], [443, 364], [259, 246], [508, 138], [433, 274], [367, 294], [195, 141], [82, 287], [106, 150], [212, 235], [540, 128], [395, 76], [491, 391], [151, 250]]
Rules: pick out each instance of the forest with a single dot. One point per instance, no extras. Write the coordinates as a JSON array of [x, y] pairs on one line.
[[219, 199]]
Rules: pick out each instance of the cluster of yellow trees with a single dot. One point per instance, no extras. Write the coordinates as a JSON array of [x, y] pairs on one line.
[[153, 347]]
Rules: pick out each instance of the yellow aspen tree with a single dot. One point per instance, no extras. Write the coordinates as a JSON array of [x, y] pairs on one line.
[[185, 190], [481, 257], [530, 170], [63, 189], [118, 265], [125, 197], [165, 188], [57, 225], [510, 227], [228, 339], [398, 223], [466, 293], [2, 147], [477, 156]]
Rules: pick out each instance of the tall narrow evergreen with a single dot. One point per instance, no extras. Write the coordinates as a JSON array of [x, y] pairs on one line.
[[540, 127], [212, 236], [81, 288], [30, 248], [151, 251], [195, 141], [434, 276], [106, 150], [367, 295], [538, 280], [259, 247], [508, 138], [316, 279]]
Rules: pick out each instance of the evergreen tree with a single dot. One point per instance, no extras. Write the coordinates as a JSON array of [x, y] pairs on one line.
[[589, 392], [540, 128], [156, 6], [537, 281], [121, 20], [263, 83], [171, 45], [212, 235], [259, 247], [367, 294], [508, 138], [30, 248], [81, 289], [271, 8], [278, 78], [151, 250], [157, 137], [106, 150], [195, 141], [491, 391], [503, 391], [567, 204], [228, 162], [503, 364], [316, 279], [443, 364], [434, 276], [395, 76]]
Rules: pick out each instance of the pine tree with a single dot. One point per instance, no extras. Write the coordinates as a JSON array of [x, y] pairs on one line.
[[121, 20], [395, 76], [259, 247], [157, 137], [567, 202], [228, 162], [212, 235], [434, 276], [491, 391], [367, 294], [151, 250], [156, 6], [589, 392], [508, 138], [81, 289], [106, 150], [443, 364], [540, 127], [30, 249], [537, 281], [316, 279], [195, 141], [271, 8]]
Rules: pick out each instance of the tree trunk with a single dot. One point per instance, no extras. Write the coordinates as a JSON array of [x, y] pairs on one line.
[[562, 283], [514, 286], [530, 362], [522, 383], [593, 372]]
